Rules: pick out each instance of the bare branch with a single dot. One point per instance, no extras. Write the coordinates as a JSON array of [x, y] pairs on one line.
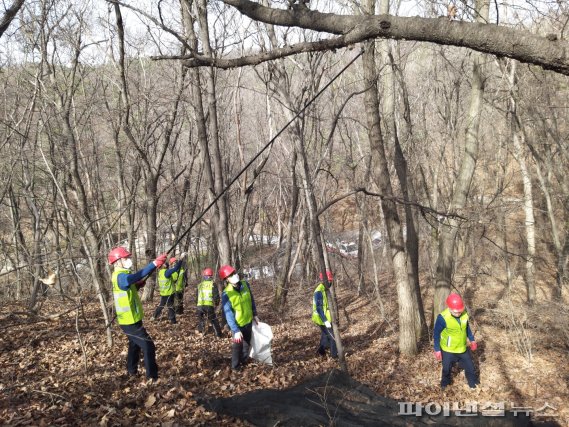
[[197, 60], [9, 15], [424, 209], [487, 38], [158, 23]]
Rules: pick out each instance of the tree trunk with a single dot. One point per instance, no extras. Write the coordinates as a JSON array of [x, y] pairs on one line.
[[412, 240], [407, 301], [561, 249], [223, 241], [208, 141], [9, 15], [151, 194], [449, 229], [520, 156], [282, 285], [19, 239]]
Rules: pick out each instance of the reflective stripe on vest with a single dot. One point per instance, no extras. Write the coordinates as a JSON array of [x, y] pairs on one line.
[[453, 337], [165, 284], [241, 303], [205, 293], [315, 316], [127, 303], [178, 279]]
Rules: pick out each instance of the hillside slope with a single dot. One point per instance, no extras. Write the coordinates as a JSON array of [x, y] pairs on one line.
[[47, 379]]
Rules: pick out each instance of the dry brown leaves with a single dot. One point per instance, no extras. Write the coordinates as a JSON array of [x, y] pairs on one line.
[[43, 381]]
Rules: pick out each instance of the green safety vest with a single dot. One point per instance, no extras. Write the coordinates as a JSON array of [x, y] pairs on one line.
[[315, 316], [205, 293], [453, 337], [165, 284], [127, 303], [241, 303], [178, 279]]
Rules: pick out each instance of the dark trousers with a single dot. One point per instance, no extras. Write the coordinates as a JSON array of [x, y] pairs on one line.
[[464, 361], [179, 302], [169, 302], [327, 341], [207, 312], [240, 351], [138, 339]]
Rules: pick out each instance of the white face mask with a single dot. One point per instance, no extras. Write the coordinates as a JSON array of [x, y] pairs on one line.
[[127, 263], [234, 279]]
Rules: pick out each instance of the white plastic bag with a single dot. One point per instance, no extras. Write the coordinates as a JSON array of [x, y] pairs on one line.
[[261, 340]]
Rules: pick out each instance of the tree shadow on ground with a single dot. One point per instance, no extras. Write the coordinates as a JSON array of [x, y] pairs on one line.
[[334, 398]]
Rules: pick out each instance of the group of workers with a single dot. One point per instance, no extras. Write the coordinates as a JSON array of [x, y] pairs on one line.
[[237, 301], [453, 338]]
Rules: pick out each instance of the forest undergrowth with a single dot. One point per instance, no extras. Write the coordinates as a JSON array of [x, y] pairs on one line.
[[60, 372]]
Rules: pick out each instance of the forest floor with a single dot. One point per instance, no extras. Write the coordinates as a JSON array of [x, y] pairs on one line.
[[47, 379]]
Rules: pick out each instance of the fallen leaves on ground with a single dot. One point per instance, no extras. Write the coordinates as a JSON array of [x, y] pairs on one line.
[[44, 381]]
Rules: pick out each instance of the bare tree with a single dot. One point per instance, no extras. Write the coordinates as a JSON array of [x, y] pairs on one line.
[[401, 168], [519, 145], [205, 110], [449, 231], [9, 15], [151, 141], [409, 322], [545, 138]]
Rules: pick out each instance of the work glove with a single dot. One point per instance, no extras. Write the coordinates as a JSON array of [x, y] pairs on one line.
[[160, 260], [438, 355], [256, 318], [327, 324], [473, 345], [183, 256], [237, 337]]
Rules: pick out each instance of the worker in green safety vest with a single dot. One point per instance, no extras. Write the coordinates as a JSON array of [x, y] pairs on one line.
[[167, 286], [322, 318], [129, 311], [179, 279], [207, 301], [452, 337], [240, 312]]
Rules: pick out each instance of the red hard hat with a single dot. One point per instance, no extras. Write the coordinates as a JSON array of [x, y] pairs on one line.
[[328, 275], [454, 302], [172, 260], [225, 271], [208, 272], [118, 253]]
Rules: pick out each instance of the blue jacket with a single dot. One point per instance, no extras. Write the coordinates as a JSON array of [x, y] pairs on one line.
[[125, 280], [440, 324], [174, 269], [319, 300]]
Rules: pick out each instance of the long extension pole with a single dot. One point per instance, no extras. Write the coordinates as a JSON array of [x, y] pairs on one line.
[[308, 104]]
